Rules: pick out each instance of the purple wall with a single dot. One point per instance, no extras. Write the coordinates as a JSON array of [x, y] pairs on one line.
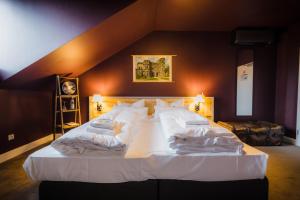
[[27, 114], [287, 79], [31, 29], [205, 61]]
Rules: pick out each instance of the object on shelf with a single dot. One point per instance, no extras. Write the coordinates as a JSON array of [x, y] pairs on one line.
[[64, 106], [68, 87], [72, 104]]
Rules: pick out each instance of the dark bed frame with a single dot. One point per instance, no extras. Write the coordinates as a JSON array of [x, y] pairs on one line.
[[256, 189]]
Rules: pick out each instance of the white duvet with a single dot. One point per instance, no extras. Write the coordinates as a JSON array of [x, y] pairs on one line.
[[148, 156]]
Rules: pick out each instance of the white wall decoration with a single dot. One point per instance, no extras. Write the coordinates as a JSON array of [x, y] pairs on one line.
[[244, 90]]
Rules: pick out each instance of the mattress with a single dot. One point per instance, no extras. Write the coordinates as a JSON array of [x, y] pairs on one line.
[[148, 157]]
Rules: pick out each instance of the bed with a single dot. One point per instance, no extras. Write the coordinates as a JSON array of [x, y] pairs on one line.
[[149, 170]]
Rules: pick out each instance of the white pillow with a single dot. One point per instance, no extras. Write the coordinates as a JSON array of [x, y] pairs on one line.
[[159, 110], [162, 103], [111, 114], [178, 103], [120, 104], [142, 113], [137, 104], [125, 117], [139, 113], [162, 106]]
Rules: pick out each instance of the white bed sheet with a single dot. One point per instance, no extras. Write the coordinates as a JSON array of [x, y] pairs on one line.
[[148, 157]]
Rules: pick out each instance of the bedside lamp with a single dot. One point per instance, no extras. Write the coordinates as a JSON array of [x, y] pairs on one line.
[[98, 98], [198, 100]]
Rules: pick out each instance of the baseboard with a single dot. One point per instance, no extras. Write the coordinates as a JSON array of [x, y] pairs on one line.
[[22, 149], [289, 140]]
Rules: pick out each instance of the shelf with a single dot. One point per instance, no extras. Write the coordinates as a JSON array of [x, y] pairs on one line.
[[76, 110], [66, 126], [71, 104], [67, 96], [70, 78]]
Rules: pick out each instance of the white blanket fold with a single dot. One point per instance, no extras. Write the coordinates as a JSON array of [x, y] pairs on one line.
[[101, 134], [198, 139], [102, 123], [185, 117], [105, 127], [86, 141], [101, 131], [190, 122]]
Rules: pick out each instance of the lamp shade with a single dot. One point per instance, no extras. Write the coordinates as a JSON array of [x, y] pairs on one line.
[[199, 99], [97, 98]]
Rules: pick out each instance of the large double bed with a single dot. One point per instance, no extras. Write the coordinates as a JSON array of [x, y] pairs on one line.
[[149, 170]]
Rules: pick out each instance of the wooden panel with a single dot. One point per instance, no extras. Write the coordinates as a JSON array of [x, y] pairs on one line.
[[206, 108]]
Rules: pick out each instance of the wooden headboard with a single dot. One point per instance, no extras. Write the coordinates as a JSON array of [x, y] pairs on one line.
[[206, 108]]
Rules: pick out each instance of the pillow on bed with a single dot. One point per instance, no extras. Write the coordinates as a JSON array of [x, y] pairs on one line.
[[162, 103], [159, 110], [127, 113], [111, 115], [162, 106], [137, 104], [141, 112], [178, 103]]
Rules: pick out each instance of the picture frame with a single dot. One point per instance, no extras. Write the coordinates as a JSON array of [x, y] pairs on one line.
[[152, 68]]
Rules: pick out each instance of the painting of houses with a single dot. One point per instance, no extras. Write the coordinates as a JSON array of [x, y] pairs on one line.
[[152, 68]]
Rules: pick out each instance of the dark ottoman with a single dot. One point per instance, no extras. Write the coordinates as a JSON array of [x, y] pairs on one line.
[[256, 133]]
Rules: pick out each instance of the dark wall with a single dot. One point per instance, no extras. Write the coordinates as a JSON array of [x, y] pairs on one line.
[[205, 62], [27, 114], [287, 79]]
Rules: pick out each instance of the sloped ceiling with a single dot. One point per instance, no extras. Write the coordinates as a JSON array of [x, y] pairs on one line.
[[93, 46], [141, 17], [32, 29], [225, 15]]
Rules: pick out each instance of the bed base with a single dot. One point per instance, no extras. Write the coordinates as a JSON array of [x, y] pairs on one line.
[[156, 190]]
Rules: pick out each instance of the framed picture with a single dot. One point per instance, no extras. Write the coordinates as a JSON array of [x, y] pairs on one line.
[[152, 68]]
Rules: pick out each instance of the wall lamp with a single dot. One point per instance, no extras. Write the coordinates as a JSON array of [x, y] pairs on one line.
[[98, 99], [198, 100]]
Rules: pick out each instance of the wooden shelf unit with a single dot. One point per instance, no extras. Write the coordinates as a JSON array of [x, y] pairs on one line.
[[59, 117], [67, 96], [76, 110], [66, 126]]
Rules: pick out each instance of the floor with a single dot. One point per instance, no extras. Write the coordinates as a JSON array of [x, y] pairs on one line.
[[283, 173]]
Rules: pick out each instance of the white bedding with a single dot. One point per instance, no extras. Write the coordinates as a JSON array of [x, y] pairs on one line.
[[148, 157], [197, 138]]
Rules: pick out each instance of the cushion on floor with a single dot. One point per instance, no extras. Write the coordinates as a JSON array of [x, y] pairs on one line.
[[256, 133]]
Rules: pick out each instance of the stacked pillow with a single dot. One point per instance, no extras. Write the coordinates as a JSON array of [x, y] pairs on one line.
[[138, 104], [162, 106], [142, 111], [136, 107]]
